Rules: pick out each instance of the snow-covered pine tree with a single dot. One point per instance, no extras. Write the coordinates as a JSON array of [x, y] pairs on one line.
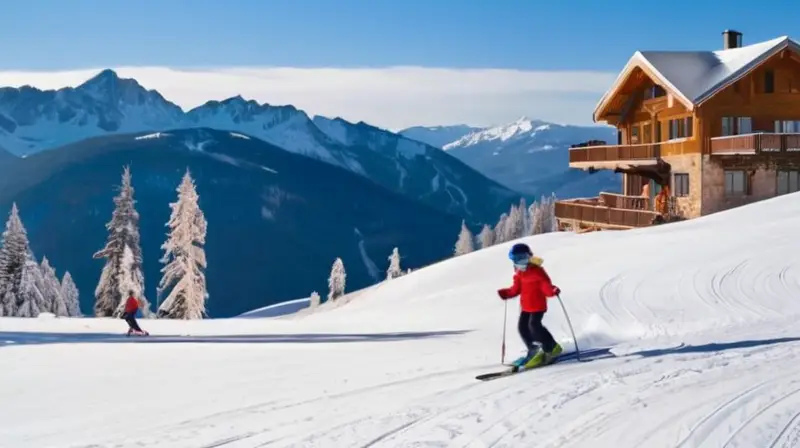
[[314, 300], [337, 280], [51, 290], [515, 225], [543, 215], [464, 244], [394, 270], [14, 253], [526, 217], [184, 257], [30, 299], [549, 206], [123, 231], [535, 212], [486, 237], [500, 229], [71, 296]]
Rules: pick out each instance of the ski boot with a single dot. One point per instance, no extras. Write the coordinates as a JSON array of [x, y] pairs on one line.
[[553, 355], [536, 360], [519, 362]]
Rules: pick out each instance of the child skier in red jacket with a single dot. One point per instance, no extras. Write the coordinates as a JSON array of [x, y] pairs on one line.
[[533, 285], [131, 307]]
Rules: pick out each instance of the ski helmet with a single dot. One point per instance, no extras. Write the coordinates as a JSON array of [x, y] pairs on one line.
[[519, 251]]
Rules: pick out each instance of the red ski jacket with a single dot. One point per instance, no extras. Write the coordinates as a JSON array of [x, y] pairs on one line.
[[533, 285], [131, 305]]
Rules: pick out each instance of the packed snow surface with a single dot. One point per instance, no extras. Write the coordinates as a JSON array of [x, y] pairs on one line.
[[690, 332]]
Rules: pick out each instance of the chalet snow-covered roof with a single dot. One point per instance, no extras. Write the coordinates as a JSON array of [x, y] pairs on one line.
[[695, 76]]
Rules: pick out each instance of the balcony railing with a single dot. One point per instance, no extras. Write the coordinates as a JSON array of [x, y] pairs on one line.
[[608, 210], [612, 153], [755, 144]]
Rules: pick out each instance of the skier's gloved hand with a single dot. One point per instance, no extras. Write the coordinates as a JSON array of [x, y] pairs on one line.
[[556, 290], [502, 294]]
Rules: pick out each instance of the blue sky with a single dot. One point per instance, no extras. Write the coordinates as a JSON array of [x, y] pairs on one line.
[[476, 62], [523, 34]]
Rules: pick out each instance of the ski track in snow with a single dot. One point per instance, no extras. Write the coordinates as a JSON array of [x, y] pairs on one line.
[[703, 337]]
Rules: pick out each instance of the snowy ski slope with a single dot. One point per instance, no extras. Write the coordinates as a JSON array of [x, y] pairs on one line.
[[695, 326]]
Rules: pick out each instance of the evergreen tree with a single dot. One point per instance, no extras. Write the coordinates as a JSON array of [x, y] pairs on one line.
[[526, 217], [184, 257], [500, 229], [337, 280], [464, 244], [394, 270], [515, 226], [30, 300], [14, 255], [118, 276], [543, 216], [314, 300], [486, 237], [51, 290], [71, 296]]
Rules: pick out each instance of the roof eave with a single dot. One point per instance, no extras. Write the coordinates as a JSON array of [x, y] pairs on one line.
[[623, 74], [635, 61]]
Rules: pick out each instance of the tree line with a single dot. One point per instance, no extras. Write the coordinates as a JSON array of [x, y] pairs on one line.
[[28, 289], [520, 221]]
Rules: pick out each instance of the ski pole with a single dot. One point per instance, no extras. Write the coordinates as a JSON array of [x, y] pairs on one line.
[[505, 317], [577, 350]]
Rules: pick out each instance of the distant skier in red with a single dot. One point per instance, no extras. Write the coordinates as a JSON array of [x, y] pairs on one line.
[[131, 307], [533, 285]]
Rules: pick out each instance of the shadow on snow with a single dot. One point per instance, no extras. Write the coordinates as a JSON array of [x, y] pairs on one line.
[[715, 347], [16, 338]]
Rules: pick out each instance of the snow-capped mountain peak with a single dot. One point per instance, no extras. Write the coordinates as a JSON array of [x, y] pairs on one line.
[[522, 127], [438, 136]]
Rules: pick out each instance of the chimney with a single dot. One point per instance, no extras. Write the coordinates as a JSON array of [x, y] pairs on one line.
[[731, 39]]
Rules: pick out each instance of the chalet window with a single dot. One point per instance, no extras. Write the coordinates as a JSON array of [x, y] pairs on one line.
[[787, 126], [654, 91], [635, 135], [735, 183], [744, 125], [788, 182], [680, 184], [737, 125], [680, 128], [769, 81], [727, 126]]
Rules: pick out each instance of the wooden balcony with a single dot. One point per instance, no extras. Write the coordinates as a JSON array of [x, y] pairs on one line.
[[613, 156], [607, 211], [750, 144]]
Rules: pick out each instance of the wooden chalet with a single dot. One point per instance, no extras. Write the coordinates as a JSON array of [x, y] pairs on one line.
[[698, 132]]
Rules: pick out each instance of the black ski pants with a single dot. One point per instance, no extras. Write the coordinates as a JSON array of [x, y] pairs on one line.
[[130, 318], [531, 330]]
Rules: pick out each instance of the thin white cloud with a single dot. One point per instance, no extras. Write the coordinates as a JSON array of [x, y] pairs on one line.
[[392, 97]]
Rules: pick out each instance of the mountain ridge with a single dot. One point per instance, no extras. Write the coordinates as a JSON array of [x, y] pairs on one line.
[[532, 156], [32, 120]]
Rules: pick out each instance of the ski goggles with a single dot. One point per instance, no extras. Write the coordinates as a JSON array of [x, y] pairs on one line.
[[520, 259]]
